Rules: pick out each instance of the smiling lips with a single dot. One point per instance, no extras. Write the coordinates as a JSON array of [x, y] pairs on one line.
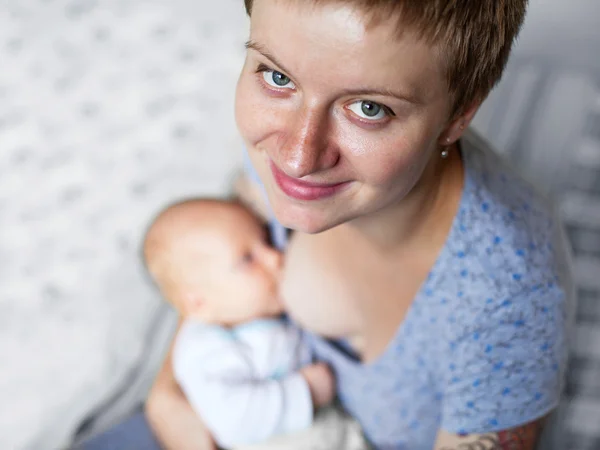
[[303, 190]]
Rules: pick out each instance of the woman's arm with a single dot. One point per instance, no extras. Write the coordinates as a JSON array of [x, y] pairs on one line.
[[170, 415], [505, 370]]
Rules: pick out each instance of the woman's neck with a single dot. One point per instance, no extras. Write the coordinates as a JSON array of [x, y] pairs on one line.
[[424, 217]]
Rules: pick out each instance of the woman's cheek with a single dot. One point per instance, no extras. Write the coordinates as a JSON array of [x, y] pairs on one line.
[[383, 164], [251, 106], [243, 107], [255, 117]]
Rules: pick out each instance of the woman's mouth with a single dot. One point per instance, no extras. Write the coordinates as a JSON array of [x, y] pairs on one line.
[[304, 190]]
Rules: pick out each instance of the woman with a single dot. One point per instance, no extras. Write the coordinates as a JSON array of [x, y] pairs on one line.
[[429, 276]]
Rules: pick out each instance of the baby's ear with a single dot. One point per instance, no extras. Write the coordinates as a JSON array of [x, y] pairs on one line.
[[196, 307]]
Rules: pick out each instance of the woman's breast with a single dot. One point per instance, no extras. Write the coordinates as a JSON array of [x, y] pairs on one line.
[[336, 287], [316, 294]]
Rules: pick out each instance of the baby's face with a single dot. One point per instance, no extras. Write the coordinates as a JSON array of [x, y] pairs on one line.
[[235, 269]]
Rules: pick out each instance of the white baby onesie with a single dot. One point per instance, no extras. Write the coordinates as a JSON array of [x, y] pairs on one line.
[[244, 382]]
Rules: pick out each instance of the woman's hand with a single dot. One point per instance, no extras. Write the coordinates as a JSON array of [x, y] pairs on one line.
[[172, 419]]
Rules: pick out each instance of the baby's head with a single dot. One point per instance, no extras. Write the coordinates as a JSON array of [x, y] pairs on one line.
[[212, 261]]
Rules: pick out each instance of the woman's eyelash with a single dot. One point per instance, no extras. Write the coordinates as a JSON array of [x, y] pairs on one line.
[[264, 68], [261, 68], [388, 110]]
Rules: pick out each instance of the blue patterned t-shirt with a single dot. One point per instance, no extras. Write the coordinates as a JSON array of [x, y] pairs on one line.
[[483, 346]]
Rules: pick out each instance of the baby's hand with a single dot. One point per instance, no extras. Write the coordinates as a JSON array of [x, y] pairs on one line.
[[320, 382]]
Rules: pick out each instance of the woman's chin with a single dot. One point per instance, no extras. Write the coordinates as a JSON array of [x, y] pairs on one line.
[[306, 220]]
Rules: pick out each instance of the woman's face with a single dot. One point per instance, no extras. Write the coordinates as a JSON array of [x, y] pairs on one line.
[[340, 119]]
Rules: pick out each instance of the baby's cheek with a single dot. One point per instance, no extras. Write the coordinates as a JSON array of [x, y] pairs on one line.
[[265, 288]]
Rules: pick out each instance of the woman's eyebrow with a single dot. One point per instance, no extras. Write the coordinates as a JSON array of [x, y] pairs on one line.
[[263, 51], [381, 92]]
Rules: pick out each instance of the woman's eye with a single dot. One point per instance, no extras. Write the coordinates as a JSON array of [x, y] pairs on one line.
[[368, 110], [277, 79]]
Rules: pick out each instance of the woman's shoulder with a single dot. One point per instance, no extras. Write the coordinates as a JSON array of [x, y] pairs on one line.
[[507, 233], [506, 278], [500, 192]]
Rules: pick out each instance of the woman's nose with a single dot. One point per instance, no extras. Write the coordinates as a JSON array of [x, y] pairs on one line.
[[304, 148]]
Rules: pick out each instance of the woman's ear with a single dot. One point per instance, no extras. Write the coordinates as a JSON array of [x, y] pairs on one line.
[[459, 124]]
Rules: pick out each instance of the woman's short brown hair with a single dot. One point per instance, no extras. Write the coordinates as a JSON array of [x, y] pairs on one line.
[[474, 37]]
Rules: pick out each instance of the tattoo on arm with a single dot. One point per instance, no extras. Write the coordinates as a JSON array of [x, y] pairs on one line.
[[520, 438], [481, 442]]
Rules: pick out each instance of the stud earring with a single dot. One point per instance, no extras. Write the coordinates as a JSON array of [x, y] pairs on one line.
[[445, 151]]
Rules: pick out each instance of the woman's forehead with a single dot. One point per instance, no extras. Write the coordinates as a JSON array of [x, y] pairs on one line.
[[337, 42]]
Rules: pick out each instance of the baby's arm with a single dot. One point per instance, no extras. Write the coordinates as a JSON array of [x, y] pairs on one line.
[[238, 408]]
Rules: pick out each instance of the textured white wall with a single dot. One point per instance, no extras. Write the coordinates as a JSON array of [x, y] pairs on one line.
[[108, 110]]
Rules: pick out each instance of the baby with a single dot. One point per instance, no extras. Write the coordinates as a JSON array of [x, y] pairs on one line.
[[245, 370]]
